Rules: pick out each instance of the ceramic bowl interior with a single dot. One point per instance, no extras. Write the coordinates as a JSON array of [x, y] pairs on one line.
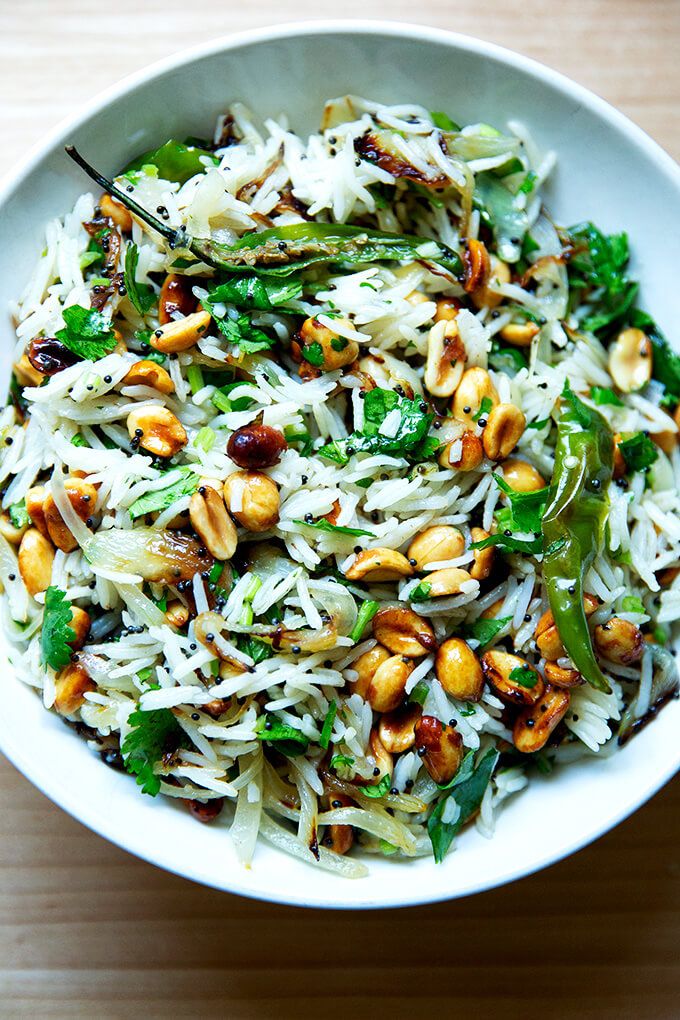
[[608, 171]]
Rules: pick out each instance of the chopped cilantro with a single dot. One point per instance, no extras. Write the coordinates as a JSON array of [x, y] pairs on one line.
[[313, 353], [632, 604], [603, 395], [443, 121], [323, 525], [18, 514], [286, 739], [484, 408], [341, 761], [597, 275], [161, 499], [524, 676], [639, 452], [256, 292], [419, 692], [666, 361], [87, 332], [506, 359], [421, 592], [538, 424], [526, 508], [366, 613], [153, 734], [485, 631], [467, 790], [141, 295], [257, 650], [55, 649], [379, 789], [411, 439], [327, 728]]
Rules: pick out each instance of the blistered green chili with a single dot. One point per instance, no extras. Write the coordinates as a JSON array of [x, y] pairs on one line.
[[573, 525], [284, 250]]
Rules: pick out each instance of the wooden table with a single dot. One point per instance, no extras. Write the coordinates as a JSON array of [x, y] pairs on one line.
[[86, 930]]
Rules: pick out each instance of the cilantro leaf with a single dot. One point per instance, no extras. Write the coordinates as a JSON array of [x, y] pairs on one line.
[[327, 728], [632, 604], [256, 292], [256, 649], [419, 692], [506, 359], [597, 273], [485, 631], [421, 592], [87, 332], [639, 452], [141, 295], [161, 499], [508, 543], [524, 676], [526, 508], [380, 788], [665, 360], [443, 121], [18, 514], [484, 408], [323, 525], [241, 332], [467, 790], [286, 739], [153, 734], [313, 353], [604, 396], [367, 611], [55, 650], [410, 440], [342, 761]]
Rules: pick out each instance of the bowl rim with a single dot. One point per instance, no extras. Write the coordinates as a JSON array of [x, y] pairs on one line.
[[49, 783]]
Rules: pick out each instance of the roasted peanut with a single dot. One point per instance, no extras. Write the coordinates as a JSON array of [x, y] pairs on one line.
[[80, 625], [519, 334], [386, 689], [459, 671], [546, 635], [483, 558], [177, 614], [435, 545], [9, 532], [71, 685], [504, 428], [366, 666], [403, 632], [447, 309], [157, 430], [148, 373], [379, 565], [630, 360], [335, 350], [26, 374], [559, 676], [513, 679], [212, 523], [36, 556], [83, 498], [338, 838], [477, 265], [475, 385], [522, 477], [180, 334], [256, 446], [35, 507], [440, 747], [205, 811], [619, 641], [445, 359], [535, 724], [253, 499], [113, 210], [381, 757], [463, 454], [447, 581], [397, 729], [485, 296], [176, 298], [620, 467]]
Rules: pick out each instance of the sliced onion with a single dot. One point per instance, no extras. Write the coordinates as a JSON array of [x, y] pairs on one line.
[[665, 681], [247, 815], [141, 607], [306, 640], [379, 824], [17, 595], [284, 840], [166, 557], [338, 603]]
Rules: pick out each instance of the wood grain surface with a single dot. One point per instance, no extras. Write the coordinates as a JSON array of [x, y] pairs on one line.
[[88, 931]]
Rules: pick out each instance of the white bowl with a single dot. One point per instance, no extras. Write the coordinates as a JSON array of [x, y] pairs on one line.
[[608, 170]]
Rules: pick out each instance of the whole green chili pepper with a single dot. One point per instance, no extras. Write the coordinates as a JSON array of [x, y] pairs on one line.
[[284, 250], [573, 525], [176, 161]]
